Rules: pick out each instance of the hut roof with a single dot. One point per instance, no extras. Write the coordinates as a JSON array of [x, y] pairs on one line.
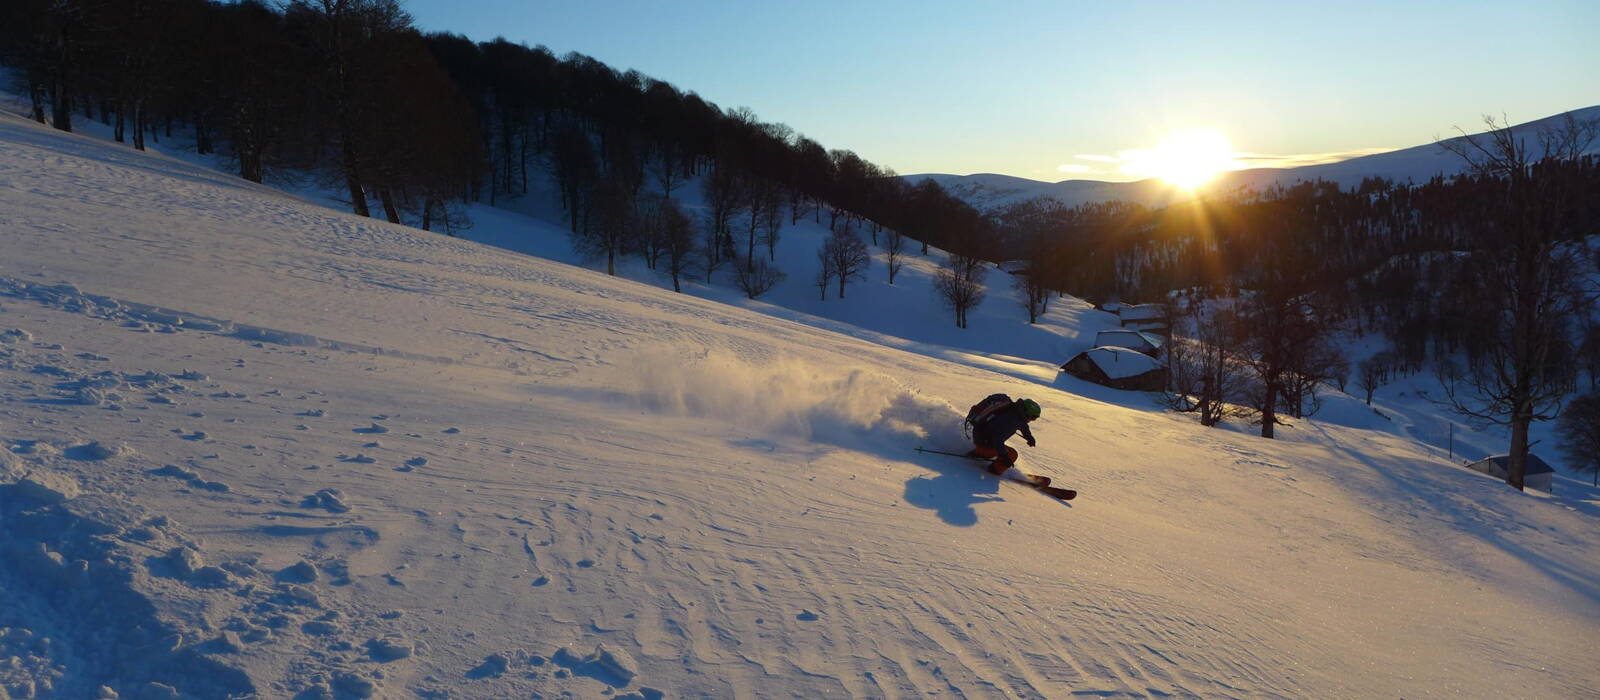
[[1142, 312], [1119, 363], [1535, 465], [1125, 338]]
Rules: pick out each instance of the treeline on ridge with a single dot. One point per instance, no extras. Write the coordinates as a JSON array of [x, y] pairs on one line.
[[417, 124]]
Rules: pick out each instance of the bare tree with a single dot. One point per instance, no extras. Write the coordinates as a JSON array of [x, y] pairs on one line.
[[1319, 362], [651, 230], [1528, 287], [676, 241], [666, 170], [1373, 373], [894, 252], [824, 272], [758, 278], [712, 249], [1286, 339], [613, 229], [760, 206], [1578, 433], [1032, 292], [347, 34], [1589, 351], [959, 283], [772, 221], [573, 164], [1205, 371], [724, 189], [848, 256]]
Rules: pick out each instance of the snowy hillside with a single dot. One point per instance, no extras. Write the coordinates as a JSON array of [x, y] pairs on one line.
[[259, 446], [992, 191], [989, 191]]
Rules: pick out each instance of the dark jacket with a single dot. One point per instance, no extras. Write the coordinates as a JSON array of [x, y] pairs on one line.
[[997, 427]]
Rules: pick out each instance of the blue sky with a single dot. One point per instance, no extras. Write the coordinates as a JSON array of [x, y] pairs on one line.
[[1024, 88]]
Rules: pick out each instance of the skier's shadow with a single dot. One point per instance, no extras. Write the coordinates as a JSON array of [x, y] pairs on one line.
[[954, 491]]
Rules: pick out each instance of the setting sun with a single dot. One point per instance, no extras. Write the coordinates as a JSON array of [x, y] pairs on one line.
[[1186, 159]]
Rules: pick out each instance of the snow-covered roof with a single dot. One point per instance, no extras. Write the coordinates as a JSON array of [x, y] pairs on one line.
[[1535, 465], [1012, 267], [1142, 312], [1120, 363], [1127, 338]]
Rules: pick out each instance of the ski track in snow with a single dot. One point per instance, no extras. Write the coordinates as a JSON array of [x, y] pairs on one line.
[[456, 470]]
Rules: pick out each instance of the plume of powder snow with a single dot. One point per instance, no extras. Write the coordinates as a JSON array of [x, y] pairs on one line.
[[792, 398]]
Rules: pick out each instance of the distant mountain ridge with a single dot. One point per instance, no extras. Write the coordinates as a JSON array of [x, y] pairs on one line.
[[990, 191]]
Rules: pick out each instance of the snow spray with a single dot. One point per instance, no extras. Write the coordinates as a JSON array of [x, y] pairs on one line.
[[790, 397]]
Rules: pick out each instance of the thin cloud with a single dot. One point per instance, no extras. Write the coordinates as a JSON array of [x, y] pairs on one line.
[[1296, 160], [1129, 161]]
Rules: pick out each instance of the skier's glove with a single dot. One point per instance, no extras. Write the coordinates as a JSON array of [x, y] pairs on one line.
[[1031, 443]]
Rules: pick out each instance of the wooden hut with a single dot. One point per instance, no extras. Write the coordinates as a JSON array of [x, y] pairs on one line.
[[1118, 368]]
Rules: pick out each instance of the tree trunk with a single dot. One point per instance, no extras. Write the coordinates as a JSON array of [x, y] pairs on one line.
[[389, 209], [1269, 409], [36, 95], [250, 163], [61, 107], [202, 135], [138, 126], [494, 186], [1518, 467], [523, 157], [750, 243]]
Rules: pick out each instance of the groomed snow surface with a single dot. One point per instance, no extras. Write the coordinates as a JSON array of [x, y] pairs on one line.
[[260, 446]]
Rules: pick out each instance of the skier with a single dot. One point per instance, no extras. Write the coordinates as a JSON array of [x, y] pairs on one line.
[[994, 420]]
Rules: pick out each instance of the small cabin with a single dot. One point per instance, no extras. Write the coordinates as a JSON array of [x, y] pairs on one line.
[[1137, 341], [1138, 313], [1537, 474], [1151, 318], [1118, 368], [1013, 267]]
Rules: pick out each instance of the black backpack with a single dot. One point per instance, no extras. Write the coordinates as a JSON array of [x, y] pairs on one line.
[[983, 410]]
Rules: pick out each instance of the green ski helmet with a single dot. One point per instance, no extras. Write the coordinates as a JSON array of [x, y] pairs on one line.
[[1030, 408]]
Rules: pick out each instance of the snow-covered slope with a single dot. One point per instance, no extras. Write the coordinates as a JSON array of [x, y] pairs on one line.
[[992, 191], [989, 191], [307, 454]]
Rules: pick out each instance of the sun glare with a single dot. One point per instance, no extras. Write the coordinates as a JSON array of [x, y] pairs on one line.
[[1185, 159]]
